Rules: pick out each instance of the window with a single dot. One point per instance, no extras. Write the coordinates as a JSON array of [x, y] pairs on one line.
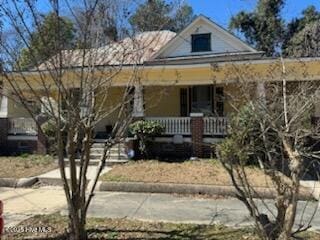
[[32, 104], [72, 99], [184, 102], [201, 42], [219, 99], [201, 99]]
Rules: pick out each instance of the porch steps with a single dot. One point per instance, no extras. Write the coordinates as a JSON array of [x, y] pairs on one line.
[[116, 153]]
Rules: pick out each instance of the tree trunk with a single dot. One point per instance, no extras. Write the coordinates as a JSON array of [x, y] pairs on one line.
[[78, 224], [295, 168]]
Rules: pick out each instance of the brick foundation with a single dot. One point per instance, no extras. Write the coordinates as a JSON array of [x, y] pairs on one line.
[[197, 134], [16, 147], [171, 151]]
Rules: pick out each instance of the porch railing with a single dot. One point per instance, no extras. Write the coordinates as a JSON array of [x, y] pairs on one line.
[[174, 125], [215, 126], [22, 126]]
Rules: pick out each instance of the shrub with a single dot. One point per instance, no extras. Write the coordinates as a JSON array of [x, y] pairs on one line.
[[244, 141], [145, 132]]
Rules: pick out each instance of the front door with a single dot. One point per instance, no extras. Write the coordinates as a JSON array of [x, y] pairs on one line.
[[202, 99], [206, 99]]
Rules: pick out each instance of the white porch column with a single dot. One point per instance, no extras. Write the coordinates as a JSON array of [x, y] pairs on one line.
[[138, 108], [86, 102], [4, 104]]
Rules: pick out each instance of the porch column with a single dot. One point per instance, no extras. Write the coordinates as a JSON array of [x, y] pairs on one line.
[[261, 92], [4, 104], [197, 126], [138, 109], [86, 103]]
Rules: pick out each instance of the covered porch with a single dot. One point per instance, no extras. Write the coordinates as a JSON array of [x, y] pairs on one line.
[[173, 107], [19, 133]]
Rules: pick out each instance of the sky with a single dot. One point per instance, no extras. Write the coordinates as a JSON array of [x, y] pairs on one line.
[[221, 11]]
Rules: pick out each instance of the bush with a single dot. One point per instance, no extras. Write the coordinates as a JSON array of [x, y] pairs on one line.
[[49, 129], [244, 141], [145, 132]]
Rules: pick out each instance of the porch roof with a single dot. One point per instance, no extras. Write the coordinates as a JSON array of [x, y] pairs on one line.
[[221, 72]]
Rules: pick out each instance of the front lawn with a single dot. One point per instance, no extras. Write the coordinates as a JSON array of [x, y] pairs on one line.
[[133, 229], [189, 172], [25, 166]]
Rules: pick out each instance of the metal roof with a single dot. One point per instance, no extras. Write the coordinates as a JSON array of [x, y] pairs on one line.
[[129, 51]]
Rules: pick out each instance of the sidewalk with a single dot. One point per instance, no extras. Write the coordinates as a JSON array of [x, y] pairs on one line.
[[20, 204], [314, 187]]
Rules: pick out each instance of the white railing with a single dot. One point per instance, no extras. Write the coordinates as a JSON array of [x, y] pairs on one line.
[[174, 125], [22, 126], [215, 126]]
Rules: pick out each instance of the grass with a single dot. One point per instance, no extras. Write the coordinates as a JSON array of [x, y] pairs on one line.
[[133, 229], [209, 172], [25, 166]]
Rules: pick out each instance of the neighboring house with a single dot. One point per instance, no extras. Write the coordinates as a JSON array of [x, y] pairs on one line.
[[184, 81]]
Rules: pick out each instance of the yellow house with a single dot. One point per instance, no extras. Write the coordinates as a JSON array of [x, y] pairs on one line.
[[184, 80]]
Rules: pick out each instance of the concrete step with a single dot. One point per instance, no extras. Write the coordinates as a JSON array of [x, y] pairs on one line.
[[96, 151], [112, 150], [112, 156], [102, 145], [98, 145], [113, 162]]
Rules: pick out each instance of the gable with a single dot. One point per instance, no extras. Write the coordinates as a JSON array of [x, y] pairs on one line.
[[221, 41]]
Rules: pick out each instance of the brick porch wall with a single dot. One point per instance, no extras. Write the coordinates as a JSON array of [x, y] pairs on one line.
[[3, 135], [170, 150], [14, 146]]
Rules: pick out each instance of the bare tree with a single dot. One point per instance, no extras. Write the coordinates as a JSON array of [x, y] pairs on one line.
[[272, 127], [73, 86]]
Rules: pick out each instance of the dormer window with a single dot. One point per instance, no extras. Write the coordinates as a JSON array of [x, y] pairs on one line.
[[201, 42]]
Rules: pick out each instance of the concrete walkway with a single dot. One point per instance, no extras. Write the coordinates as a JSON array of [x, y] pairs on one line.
[[55, 174], [314, 187], [20, 204]]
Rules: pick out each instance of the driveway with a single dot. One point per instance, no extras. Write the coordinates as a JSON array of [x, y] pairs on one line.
[[20, 204]]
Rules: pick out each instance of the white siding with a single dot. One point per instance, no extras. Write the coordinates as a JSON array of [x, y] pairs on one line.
[[220, 42]]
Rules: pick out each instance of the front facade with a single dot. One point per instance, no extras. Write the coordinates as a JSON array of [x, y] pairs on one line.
[[185, 85]]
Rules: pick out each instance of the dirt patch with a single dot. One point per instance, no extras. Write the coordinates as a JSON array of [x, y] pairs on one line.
[[132, 229], [25, 166], [190, 172]]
